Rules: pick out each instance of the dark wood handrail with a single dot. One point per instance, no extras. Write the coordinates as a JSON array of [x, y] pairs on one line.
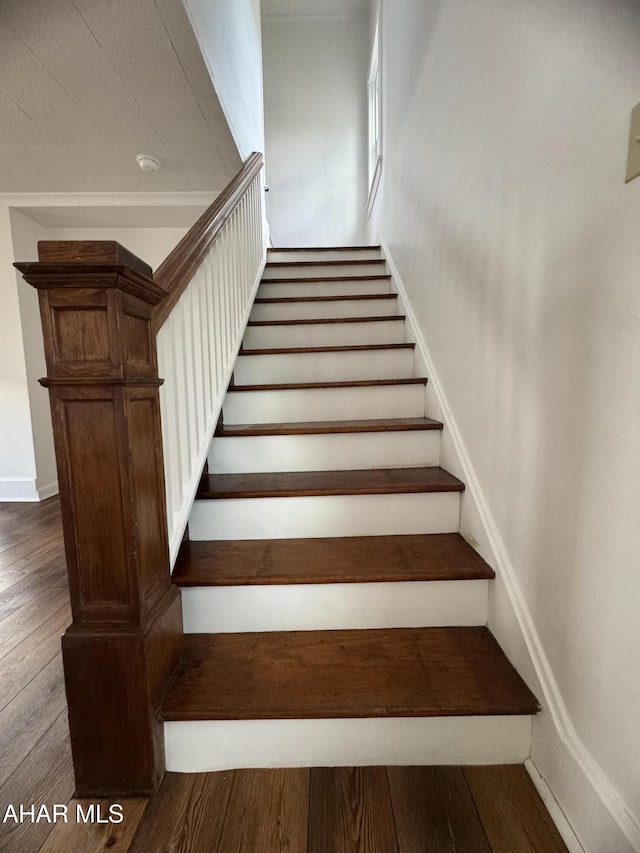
[[179, 267]]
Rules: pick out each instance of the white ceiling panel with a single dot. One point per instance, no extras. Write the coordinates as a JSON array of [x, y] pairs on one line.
[[17, 129], [18, 172], [99, 92], [175, 20], [155, 77], [85, 85], [28, 84], [195, 68], [34, 21], [27, 171], [123, 20], [112, 170]]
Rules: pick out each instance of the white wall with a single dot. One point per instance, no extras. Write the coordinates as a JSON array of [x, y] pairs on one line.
[[152, 245], [315, 77], [25, 234], [504, 208], [17, 456], [228, 32], [27, 457]]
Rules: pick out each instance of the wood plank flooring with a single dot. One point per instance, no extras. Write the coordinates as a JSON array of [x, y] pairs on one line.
[[35, 756], [325, 810]]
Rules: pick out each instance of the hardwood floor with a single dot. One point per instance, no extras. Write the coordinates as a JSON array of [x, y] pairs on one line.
[[35, 756], [322, 810]]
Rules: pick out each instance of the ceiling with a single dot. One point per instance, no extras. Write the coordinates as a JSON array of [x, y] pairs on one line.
[[85, 85], [313, 8]]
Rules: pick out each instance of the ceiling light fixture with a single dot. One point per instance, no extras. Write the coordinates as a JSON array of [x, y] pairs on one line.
[[148, 163]]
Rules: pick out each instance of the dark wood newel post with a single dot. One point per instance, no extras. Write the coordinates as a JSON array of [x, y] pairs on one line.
[[96, 303]]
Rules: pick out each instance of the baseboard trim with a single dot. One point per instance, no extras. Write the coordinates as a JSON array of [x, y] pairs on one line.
[[18, 490], [604, 792], [48, 490], [553, 807]]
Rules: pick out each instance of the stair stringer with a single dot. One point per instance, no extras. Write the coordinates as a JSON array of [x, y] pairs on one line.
[[563, 761]]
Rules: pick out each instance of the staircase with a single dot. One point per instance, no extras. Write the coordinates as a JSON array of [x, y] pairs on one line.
[[334, 614]]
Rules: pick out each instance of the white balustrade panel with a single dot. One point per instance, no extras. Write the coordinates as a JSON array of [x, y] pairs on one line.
[[197, 346]]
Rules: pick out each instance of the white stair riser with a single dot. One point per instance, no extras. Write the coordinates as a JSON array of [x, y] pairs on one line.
[[323, 288], [320, 516], [324, 309], [333, 452], [325, 607], [324, 404], [274, 255], [323, 366], [325, 334], [207, 745], [323, 271]]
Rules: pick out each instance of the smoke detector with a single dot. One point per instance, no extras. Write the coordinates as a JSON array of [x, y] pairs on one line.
[[148, 163]]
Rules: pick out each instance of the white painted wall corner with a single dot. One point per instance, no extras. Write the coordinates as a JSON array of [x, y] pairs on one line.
[[48, 490]]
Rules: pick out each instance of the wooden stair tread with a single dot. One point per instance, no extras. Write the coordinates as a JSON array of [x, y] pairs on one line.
[[327, 263], [349, 297], [384, 318], [351, 383], [328, 427], [321, 248], [377, 481], [306, 279], [401, 672], [300, 350], [349, 559]]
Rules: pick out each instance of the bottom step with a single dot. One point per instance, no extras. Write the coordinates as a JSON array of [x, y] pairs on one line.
[[207, 745], [438, 695]]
